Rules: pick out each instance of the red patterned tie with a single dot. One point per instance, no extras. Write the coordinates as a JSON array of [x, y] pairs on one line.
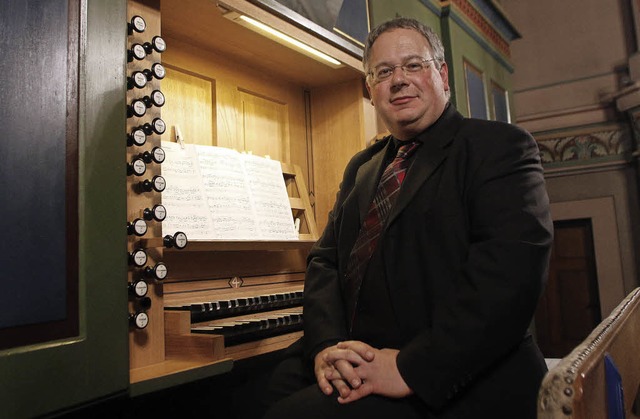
[[374, 222]]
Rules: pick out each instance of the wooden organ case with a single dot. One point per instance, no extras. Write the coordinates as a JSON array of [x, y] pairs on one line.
[[214, 302]]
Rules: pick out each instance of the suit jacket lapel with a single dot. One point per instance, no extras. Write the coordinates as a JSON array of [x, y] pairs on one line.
[[426, 160], [367, 177], [428, 157]]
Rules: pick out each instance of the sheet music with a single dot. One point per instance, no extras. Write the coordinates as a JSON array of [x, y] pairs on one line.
[[271, 201], [215, 193], [227, 193], [184, 196]]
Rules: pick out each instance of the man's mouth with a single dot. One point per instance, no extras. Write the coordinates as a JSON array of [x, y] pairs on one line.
[[401, 100]]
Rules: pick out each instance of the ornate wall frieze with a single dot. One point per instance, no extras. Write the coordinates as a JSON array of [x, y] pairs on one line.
[[586, 148]]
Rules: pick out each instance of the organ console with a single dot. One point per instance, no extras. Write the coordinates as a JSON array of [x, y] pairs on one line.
[[197, 304]]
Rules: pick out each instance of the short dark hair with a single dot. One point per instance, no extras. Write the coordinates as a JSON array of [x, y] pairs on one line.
[[405, 23]]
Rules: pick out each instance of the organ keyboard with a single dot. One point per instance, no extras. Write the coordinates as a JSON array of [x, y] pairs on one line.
[[218, 309], [259, 326], [249, 298], [244, 317]]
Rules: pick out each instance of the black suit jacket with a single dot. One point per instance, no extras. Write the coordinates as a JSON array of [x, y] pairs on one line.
[[464, 255]]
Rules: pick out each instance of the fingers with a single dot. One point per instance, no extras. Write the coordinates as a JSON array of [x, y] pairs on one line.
[[338, 373], [328, 379], [344, 370], [365, 351], [341, 367], [324, 384], [356, 394], [345, 358], [343, 389], [321, 370], [343, 355]]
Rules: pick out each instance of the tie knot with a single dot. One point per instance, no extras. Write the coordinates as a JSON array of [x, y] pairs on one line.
[[406, 150]]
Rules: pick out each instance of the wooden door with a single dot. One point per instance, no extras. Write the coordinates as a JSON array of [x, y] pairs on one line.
[[570, 307]]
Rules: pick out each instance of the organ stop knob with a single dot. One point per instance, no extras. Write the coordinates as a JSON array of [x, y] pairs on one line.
[[136, 24], [156, 155], [157, 71], [138, 258], [137, 80], [137, 167], [138, 288], [157, 44], [136, 52], [139, 320], [137, 227], [157, 213], [157, 183], [178, 240], [158, 272]]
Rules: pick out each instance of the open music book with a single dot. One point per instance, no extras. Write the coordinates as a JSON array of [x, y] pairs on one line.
[[215, 193]]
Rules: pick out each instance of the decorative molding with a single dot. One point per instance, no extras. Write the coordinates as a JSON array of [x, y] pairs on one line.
[[495, 14], [501, 53], [586, 148], [482, 24]]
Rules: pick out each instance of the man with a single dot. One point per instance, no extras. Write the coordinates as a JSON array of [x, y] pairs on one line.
[[418, 295]]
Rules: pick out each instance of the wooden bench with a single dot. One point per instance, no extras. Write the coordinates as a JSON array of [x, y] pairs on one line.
[[576, 387]]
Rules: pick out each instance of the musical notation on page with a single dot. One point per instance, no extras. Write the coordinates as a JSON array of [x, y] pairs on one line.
[[215, 193]]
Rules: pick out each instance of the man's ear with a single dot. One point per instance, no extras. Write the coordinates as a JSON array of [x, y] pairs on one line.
[[444, 74], [366, 83]]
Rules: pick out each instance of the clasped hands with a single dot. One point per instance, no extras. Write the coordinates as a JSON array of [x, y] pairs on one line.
[[356, 370]]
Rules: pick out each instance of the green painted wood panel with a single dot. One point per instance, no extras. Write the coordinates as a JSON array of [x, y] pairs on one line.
[[54, 376]]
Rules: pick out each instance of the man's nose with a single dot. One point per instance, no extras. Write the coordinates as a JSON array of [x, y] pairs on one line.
[[398, 76]]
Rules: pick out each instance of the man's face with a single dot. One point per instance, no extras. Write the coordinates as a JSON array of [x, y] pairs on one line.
[[407, 103]]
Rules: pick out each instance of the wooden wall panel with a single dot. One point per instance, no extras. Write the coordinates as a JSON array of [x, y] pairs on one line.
[[265, 127], [338, 133], [245, 99], [190, 106]]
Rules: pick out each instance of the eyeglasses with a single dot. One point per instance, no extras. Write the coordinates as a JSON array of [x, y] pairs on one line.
[[384, 72]]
